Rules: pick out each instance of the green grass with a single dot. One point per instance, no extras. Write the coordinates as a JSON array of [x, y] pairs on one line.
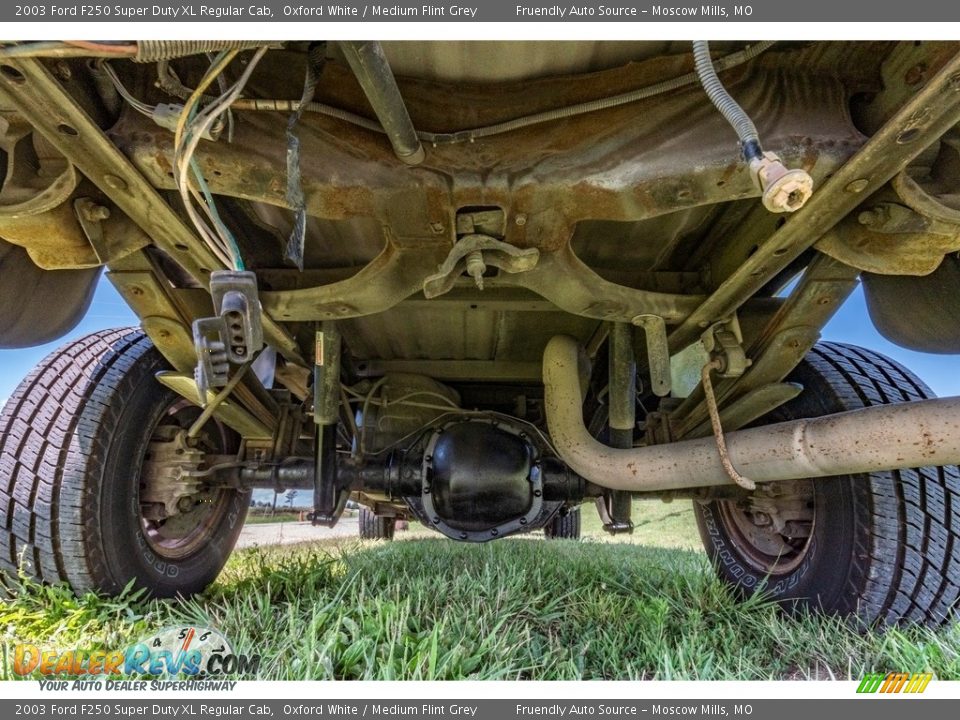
[[268, 518], [429, 608]]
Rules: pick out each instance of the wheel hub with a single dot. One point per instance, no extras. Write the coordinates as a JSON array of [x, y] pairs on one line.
[[169, 475], [179, 508], [772, 528]]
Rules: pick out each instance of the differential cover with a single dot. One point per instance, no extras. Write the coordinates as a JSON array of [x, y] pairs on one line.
[[479, 477]]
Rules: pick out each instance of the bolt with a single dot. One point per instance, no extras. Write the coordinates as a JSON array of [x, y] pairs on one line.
[[761, 518], [476, 267], [916, 75], [115, 182], [436, 228], [185, 504], [874, 216], [63, 71], [520, 219], [463, 536], [857, 186], [908, 135], [136, 290]]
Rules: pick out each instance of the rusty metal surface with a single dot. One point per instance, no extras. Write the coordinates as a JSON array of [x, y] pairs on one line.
[[555, 176], [921, 121], [631, 196], [642, 209], [34, 191], [510, 60], [908, 228]]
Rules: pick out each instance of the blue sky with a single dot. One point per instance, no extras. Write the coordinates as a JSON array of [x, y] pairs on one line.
[[851, 324]]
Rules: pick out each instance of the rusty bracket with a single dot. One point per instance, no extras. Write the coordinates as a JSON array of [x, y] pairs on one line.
[[567, 282], [390, 278], [497, 253], [724, 342], [904, 232], [400, 272], [925, 204]]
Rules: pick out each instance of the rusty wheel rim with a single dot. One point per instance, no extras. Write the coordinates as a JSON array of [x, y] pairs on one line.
[[770, 544], [188, 532]]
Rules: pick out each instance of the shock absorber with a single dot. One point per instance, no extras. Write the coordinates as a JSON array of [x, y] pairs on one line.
[[614, 506], [329, 494]]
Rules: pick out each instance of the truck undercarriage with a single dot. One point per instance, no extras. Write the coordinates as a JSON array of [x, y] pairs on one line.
[[478, 284]]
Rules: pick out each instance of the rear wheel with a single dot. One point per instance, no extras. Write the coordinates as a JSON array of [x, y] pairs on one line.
[[563, 526], [882, 546], [376, 527], [90, 447]]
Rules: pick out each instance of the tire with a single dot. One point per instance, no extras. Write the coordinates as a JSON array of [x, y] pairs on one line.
[[73, 440], [881, 547], [376, 527], [566, 526]]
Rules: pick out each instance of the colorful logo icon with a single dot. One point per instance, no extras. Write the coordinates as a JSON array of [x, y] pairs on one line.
[[894, 682], [188, 650]]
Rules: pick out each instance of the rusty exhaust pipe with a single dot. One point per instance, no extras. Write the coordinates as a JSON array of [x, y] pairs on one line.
[[882, 437]]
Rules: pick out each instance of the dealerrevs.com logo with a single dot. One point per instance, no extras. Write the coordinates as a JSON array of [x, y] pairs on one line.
[[188, 651], [894, 682]]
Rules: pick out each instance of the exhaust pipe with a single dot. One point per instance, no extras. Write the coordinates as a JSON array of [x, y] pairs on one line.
[[369, 64], [882, 437]]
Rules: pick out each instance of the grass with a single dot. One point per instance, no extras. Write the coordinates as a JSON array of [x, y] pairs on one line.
[[268, 518], [427, 608]]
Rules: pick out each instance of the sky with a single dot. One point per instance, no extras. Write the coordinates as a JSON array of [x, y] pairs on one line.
[[851, 324]]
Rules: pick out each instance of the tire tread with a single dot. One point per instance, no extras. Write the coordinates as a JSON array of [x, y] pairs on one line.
[[910, 560], [50, 431]]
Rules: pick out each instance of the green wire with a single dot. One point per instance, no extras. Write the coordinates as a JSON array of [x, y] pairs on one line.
[[208, 196]]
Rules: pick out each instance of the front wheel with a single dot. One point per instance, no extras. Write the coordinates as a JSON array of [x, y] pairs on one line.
[[376, 527], [564, 526], [882, 547], [91, 448]]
